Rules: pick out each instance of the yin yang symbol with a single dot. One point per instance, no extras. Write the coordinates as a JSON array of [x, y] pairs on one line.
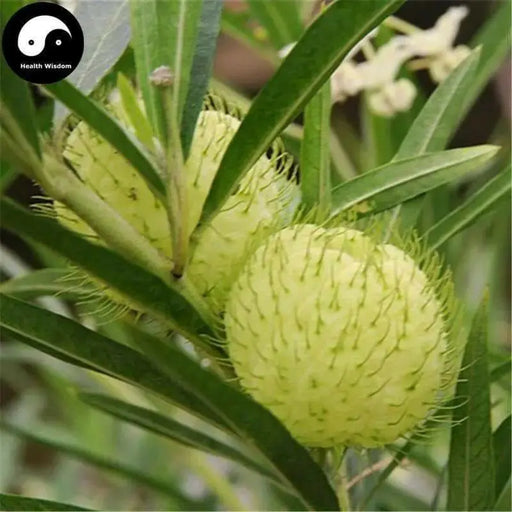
[[42, 42], [32, 36]]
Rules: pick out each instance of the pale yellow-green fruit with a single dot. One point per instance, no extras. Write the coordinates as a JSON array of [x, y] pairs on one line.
[[264, 202], [342, 339]]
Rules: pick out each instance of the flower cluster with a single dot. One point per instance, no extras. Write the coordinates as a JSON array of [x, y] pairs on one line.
[[432, 49]]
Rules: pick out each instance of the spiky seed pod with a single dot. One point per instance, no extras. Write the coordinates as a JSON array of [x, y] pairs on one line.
[[264, 202], [342, 339]]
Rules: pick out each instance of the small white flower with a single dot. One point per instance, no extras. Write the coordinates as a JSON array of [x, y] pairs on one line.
[[382, 69], [392, 98], [377, 75], [346, 81], [436, 44], [438, 39], [445, 63]]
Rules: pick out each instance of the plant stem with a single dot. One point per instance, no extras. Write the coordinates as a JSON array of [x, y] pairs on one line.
[[400, 25], [338, 477], [177, 200], [62, 185]]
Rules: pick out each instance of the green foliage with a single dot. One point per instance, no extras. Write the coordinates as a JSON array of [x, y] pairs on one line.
[[161, 372], [399, 181], [251, 422], [164, 34], [15, 93], [130, 280], [47, 281], [481, 202], [201, 68], [171, 429], [101, 462], [441, 115], [14, 503], [315, 155], [72, 342], [110, 129], [280, 20], [471, 470], [329, 38], [501, 440]]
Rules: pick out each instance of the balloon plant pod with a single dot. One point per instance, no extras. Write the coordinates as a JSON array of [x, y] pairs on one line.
[[269, 280], [264, 202], [346, 340]]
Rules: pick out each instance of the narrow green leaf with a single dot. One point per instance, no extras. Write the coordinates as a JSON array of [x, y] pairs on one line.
[[478, 204], [471, 481], [315, 152], [502, 446], [104, 124], [172, 429], [14, 92], [441, 115], [280, 20], [131, 107], [143, 288], [164, 34], [201, 69], [504, 501], [435, 124], [253, 423], [501, 370], [383, 135], [399, 181], [14, 335], [494, 39], [378, 139], [384, 475], [15, 503], [311, 62], [84, 455], [70, 341], [47, 281]]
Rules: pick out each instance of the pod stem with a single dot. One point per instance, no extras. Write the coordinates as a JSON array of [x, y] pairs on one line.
[[177, 200], [341, 487], [62, 185]]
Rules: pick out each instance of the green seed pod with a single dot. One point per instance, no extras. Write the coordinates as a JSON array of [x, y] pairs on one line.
[[344, 340], [264, 202]]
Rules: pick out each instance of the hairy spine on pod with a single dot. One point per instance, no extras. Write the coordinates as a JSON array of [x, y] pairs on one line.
[[264, 202], [342, 339]]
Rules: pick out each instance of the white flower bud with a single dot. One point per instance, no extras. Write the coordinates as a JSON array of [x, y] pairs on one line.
[[442, 66], [440, 37], [383, 68], [392, 98], [346, 81]]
